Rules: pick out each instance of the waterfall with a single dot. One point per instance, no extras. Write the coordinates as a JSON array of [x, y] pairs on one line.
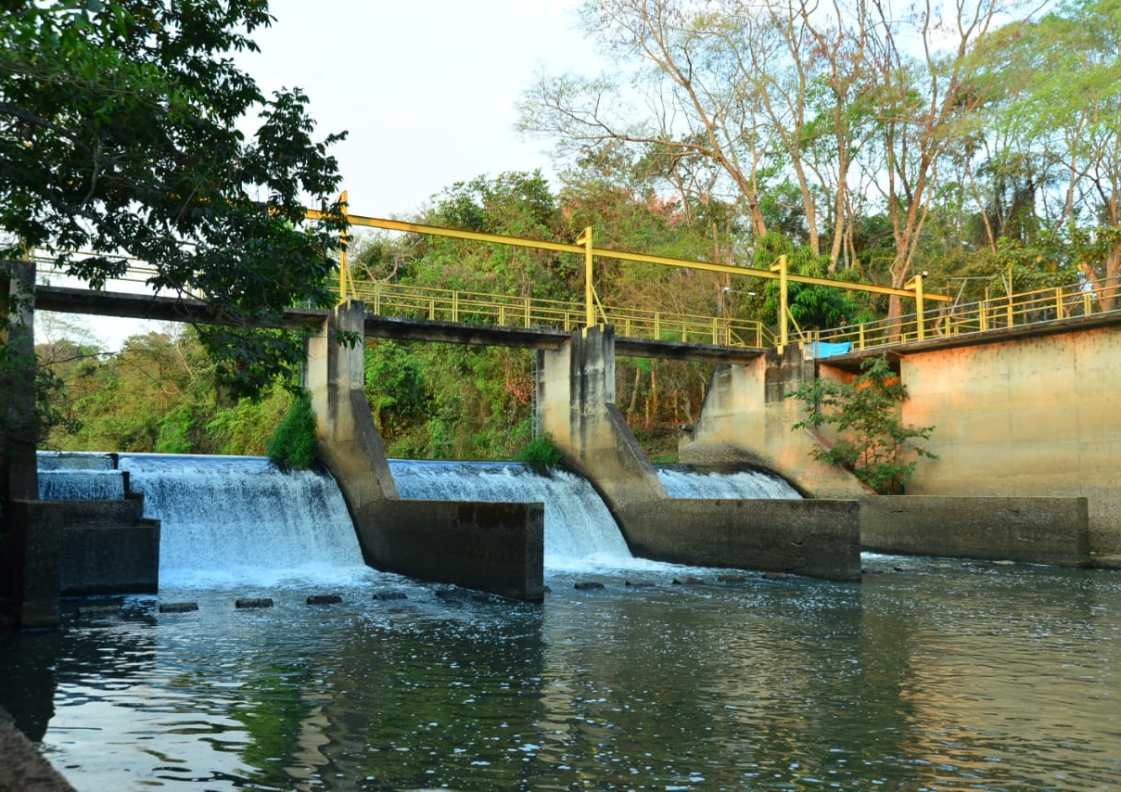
[[579, 530], [237, 520], [685, 482], [69, 485]]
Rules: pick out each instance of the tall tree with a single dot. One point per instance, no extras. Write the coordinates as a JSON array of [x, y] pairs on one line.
[[119, 132]]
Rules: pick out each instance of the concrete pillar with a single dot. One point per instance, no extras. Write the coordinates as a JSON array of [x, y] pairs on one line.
[[348, 439], [576, 406], [495, 547], [748, 417]]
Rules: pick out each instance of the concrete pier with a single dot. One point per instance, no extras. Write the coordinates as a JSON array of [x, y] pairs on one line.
[[493, 547], [576, 406]]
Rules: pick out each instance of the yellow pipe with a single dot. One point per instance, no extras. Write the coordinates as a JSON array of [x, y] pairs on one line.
[[784, 335], [344, 239], [619, 255]]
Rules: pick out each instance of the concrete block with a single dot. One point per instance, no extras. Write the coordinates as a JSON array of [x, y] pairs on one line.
[[101, 557], [253, 602], [493, 547], [818, 538], [34, 548], [324, 599], [1033, 530], [178, 607]]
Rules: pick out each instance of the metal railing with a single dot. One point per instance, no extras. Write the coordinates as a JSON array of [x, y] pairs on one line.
[[1034, 307], [469, 307]]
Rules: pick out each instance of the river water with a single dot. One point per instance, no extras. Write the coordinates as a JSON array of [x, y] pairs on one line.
[[932, 674]]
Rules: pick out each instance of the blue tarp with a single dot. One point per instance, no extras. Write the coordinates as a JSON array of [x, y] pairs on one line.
[[823, 349]]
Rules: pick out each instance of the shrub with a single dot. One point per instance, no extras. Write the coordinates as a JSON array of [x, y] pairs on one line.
[[293, 445], [873, 442], [541, 453]]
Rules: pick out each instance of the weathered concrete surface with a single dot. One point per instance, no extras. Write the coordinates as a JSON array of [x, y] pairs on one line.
[[348, 439], [1033, 416], [108, 548], [819, 538], [1032, 530], [576, 406], [494, 547], [22, 767], [18, 471], [33, 547], [748, 417]]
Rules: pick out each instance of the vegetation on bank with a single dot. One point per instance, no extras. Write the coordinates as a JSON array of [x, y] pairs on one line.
[[293, 445], [541, 453], [865, 432]]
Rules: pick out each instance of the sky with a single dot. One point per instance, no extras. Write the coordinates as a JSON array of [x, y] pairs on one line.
[[427, 90]]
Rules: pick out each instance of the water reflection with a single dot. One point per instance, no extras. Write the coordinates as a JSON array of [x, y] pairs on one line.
[[935, 674]]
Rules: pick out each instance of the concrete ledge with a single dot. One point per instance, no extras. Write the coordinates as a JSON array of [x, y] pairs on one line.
[[34, 546], [818, 538], [1032, 530], [111, 559], [493, 547]]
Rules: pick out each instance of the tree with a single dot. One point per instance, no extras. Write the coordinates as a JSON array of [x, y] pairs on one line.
[[873, 443], [119, 132]]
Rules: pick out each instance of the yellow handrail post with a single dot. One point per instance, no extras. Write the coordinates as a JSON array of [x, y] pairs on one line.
[[783, 333], [377, 298], [585, 239], [759, 335], [920, 312], [344, 240], [1011, 315], [715, 331], [657, 326], [527, 312], [1058, 302], [1087, 304], [455, 306]]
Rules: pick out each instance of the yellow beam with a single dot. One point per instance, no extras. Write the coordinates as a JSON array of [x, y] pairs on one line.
[[618, 255]]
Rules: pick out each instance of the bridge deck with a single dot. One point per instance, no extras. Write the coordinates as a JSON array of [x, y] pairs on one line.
[[174, 309]]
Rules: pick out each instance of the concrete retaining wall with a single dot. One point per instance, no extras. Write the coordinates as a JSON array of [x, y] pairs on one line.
[[108, 548], [33, 550], [1033, 530], [819, 538], [495, 547], [1031, 416]]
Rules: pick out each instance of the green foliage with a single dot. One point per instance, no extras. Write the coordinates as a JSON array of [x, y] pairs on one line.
[[175, 432], [541, 453], [293, 446], [121, 130], [872, 441]]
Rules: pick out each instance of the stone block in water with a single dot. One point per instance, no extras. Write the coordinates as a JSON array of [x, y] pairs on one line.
[[637, 583], [253, 602], [732, 578], [587, 585], [689, 581], [390, 595], [324, 599], [178, 607]]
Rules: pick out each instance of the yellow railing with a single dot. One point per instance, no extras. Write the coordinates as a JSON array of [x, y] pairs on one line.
[[468, 307], [1032, 307]]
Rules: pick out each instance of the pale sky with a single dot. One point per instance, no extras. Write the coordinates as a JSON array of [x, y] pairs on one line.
[[427, 90]]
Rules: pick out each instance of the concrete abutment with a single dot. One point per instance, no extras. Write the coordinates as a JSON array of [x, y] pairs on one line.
[[576, 407], [493, 547]]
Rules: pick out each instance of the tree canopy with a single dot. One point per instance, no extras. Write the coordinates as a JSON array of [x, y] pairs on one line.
[[120, 133]]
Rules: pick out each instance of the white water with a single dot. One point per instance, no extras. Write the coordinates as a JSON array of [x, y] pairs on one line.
[[741, 485], [61, 485], [580, 533], [236, 520]]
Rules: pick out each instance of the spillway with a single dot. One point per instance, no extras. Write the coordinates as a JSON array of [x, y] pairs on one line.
[[682, 481], [579, 530], [228, 520]]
